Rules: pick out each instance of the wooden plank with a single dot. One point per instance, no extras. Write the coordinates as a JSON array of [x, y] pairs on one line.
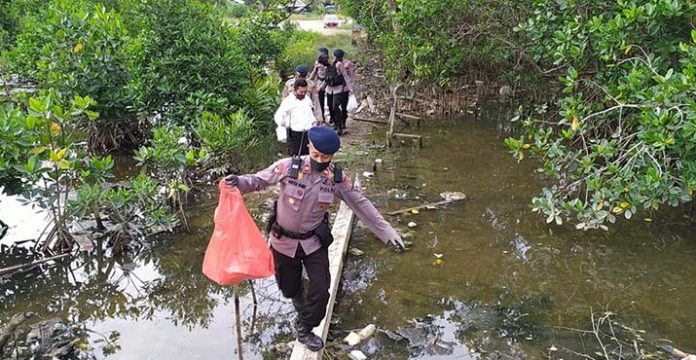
[[407, 116], [419, 207], [358, 118], [342, 228], [406, 136]]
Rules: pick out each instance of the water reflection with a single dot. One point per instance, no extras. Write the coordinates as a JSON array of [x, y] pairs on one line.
[[153, 294], [516, 281]]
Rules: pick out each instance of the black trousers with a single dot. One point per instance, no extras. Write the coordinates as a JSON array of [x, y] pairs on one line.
[[338, 109], [297, 143], [310, 305], [322, 94]]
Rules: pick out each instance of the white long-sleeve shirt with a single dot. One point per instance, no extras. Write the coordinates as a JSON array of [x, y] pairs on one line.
[[296, 114]]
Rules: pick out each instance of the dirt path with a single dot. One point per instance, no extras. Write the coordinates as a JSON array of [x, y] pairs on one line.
[[318, 26]]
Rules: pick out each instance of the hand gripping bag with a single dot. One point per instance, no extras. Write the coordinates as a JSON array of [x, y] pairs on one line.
[[237, 251]]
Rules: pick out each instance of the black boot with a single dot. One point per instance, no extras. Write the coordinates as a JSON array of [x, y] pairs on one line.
[[308, 338]]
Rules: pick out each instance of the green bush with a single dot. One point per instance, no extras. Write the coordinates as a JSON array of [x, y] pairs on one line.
[[237, 11], [188, 50], [261, 39], [300, 49], [12, 13], [229, 141], [622, 137], [76, 47], [261, 100], [435, 41]]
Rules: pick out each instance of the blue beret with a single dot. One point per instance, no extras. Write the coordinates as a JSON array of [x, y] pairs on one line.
[[339, 53], [324, 139], [301, 69], [324, 50]]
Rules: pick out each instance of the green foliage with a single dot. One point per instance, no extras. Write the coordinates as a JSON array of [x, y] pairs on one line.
[[75, 47], [261, 101], [12, 13], [237, 11], [229, 142], [38, 150], [434, 41], [261, 39], [301, 48], [169, 158], [191, 61], [622, 137]]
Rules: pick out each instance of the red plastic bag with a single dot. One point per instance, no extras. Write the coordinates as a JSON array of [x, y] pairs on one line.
[[237, 251]]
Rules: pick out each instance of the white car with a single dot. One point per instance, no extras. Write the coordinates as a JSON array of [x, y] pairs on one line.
[[331, 21]]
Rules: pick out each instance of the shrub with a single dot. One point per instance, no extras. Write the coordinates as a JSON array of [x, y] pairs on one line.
[[229, 142], [237, 11], [622, 138], [187, 50], [300, 49], [76, 47]]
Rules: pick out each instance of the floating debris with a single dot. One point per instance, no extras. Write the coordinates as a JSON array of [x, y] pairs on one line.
[[367, 331], [352, 339], [412, 224], [357, 355], [452, 195], [356, 252]]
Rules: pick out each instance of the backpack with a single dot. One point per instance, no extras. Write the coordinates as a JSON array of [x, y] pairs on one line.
[[333, 76]]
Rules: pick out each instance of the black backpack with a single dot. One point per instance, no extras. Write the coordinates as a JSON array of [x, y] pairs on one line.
[[333, 76]]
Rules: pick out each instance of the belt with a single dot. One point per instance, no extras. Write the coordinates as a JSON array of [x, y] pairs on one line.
[[278, 231]]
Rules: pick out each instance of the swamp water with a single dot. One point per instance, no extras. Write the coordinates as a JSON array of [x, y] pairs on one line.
[[506, 286]]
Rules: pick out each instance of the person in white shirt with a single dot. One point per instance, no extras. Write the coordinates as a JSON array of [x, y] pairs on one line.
[[296, 113]]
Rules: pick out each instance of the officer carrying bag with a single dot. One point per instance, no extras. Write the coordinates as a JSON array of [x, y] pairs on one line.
[[237, 250], [333, 76]]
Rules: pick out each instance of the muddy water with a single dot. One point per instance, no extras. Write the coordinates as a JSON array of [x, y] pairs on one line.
[[508, 285]]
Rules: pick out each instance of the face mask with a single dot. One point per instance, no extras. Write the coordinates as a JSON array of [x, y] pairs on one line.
[[299, 97], [319, 166]]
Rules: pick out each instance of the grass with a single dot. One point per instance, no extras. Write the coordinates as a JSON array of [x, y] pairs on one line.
[[307, 16]]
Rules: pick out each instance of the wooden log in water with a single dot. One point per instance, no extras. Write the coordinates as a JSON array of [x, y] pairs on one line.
[[420, 207], [33, 263]]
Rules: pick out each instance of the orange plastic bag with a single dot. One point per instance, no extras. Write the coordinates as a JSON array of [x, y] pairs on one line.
[[237, 251]]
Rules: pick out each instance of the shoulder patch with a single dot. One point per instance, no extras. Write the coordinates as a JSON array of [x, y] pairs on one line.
[[346, 180], [279, 169]]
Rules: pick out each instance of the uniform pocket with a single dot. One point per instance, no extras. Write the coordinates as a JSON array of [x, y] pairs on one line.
[[324, 200], [293, 196]]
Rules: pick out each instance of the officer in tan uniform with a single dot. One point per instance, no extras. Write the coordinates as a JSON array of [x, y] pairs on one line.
[[300, 235]]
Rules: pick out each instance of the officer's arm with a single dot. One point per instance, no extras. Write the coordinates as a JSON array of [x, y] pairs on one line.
[[286, 90], [366, 211], [282, 113], [264, 178], [313, 75], [348, 77]]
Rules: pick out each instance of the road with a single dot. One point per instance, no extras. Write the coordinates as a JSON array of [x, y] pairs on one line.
[[318, 26]]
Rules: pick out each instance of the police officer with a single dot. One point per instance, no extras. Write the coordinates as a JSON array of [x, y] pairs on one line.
[[337, 94], [308, 186], [318, 75]]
